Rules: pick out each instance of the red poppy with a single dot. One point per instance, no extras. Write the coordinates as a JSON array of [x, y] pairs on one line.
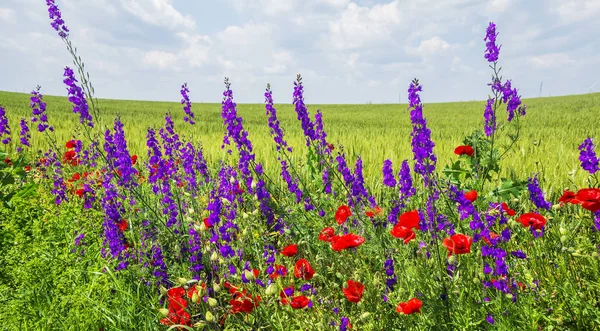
[[350, 240], [464, 149], [330, 146], [354, 291], [70, 155], [409, 219], [374, 212], [568, 197], [471, 195], [27, 168], [510, 212], [290, 250], [342, 214], [533, 220], [123, 225], [8, 161], [280, 270], [589, 198], [241, 305], [303, 270], [191, 291], [206, 222], [43, 160], [79, 192], [327, 234], [299, 302], [75, 177], [71, 144], [458, 244], [403, 232], [412, 306], [134, 159]]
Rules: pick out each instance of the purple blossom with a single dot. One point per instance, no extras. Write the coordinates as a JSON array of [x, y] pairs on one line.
[[57, 22], [519, 254], [79, 238], [276, 131], [187, 108], [492, 50], [388, 174], [118, 156], [4, 127], [587, 156], [195, 250], [490, 118], [422, 145], [358, 189], [303, 116], [489, 318], [158, 263], [38, 110], [24, 134], [536, 195], [77, 98], [344, 323], [465, 207]]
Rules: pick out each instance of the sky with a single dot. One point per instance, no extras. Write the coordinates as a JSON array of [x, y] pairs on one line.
[[366, 51]]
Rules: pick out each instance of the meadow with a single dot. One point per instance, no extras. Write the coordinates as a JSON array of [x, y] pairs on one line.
[[127, 215]]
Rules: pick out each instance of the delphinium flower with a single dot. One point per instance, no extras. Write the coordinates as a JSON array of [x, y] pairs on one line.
[[342, 168], [158, 263], [24, 134], [422, 146], [536, 195], [587, 156], [490, 118], [38, 111], [112, 207], [492, 50], [187, 105], [292, 184], [275, 128], [60, 187], [4, 127], [121, 159], [303, 116], [388, 174], [57, 22], [320, 135], [597, 220], [344, 323], [188, 157], [391, 279], [359, 191], [465, 207], [77, 98], [195, 250]]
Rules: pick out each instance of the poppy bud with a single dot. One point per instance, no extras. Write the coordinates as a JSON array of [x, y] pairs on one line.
[[555, 207], [244, 215], [212, 302], [214, 256], [271, 290], [253, 185], [202, 227], [451, 259], [209, 316], [515, 200], [365, 315], [221, 261], [200, 324], [249, 274], [182, 281], [563, 239], [163, 290], [216, 287], [509, 296], [562, 230], [475, 280], [163, 311]]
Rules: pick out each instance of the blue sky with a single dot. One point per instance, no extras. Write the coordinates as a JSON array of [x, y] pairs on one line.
[[348, 52]]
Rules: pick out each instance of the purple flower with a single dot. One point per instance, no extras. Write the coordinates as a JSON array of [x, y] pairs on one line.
[[465, 207], [38, 110], [303, 116], [388, 174], [189, 116], [57, 22], [587, 156], [118, 156], [79, 238], [276, 131], [77, 98], [519, 254], [160, 270], [490, 118], [489, 318], [24, 134], [4, 127], [422, 145], [491, 49], [536, 195]]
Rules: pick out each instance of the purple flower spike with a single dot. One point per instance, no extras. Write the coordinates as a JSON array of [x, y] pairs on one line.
[[492, 50], [57, 22], [189, 116], [587, 156]]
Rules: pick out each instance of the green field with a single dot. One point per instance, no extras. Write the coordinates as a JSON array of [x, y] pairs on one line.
[[551, 132]]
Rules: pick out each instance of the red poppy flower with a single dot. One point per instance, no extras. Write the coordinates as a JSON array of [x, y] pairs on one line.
[[509, 211], [290, 250], [326, 234], [134, 159], [342, 214], [354, 291], [8, 161], [350, 240], [410, 307], [191, 291], [568, 197], [589, 198], [465, 149], [71, 144], [79, 192], [241, 305], [458, 244], [374, 212], [471, 195], [403, 232], [330, 146], [299, 302], [75, 177], [280, 270], [303, 270], [27, 168], [409, 219], [70, 155], [123, 225], [533, 220], [43, 160], [206, 222]]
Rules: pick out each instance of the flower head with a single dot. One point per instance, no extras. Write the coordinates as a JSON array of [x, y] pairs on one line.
[[410, 307], [57, 22], [458, 244], [491, 50], [587, 156], [354, 291]]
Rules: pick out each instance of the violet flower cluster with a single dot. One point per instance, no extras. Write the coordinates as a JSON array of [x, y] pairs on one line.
[[422, 146], [275, 128], [57, 22], [187, 105], [587, 156], [491, 49], [303, 116], [406, 190], [38, 111], [490, 118], [536, 195], [388, 174], [77, 98], [4, 127], [24, 135]]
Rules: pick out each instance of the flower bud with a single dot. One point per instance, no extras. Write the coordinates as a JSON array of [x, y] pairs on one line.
[[451, 259], [214, 256], [163, 311], [271, 289], [562, 231], [163, 290], [182, 281], [244, 215], [516, 200], [253, 185], [365, 315], [216, 287], [245, 232], [556, 206], [249, 274], [209, 316], [199, 324], [195, 297], [563, 239], [212, 302]]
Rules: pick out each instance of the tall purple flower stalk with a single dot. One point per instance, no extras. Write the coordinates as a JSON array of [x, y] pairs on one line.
[[422, 146], [77, 98], [24, 135], [490, 118], [406, 190], [38, 110], [587, 156], [60, 187], [388, 174], [491, 49], [112, 207], [303, 116], [119, 158], [187, 105], [536, 195], [4, 127], [57, 22], [195, 253], [274, 126]]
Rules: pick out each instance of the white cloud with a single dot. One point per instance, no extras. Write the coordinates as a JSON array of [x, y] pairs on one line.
[[551, 60], [268, 7], [198, 49], [7, 15], [335, 3], [575, 10], [360, 26], [161, 60], [498, 6], [429, 47], [158, 12]]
